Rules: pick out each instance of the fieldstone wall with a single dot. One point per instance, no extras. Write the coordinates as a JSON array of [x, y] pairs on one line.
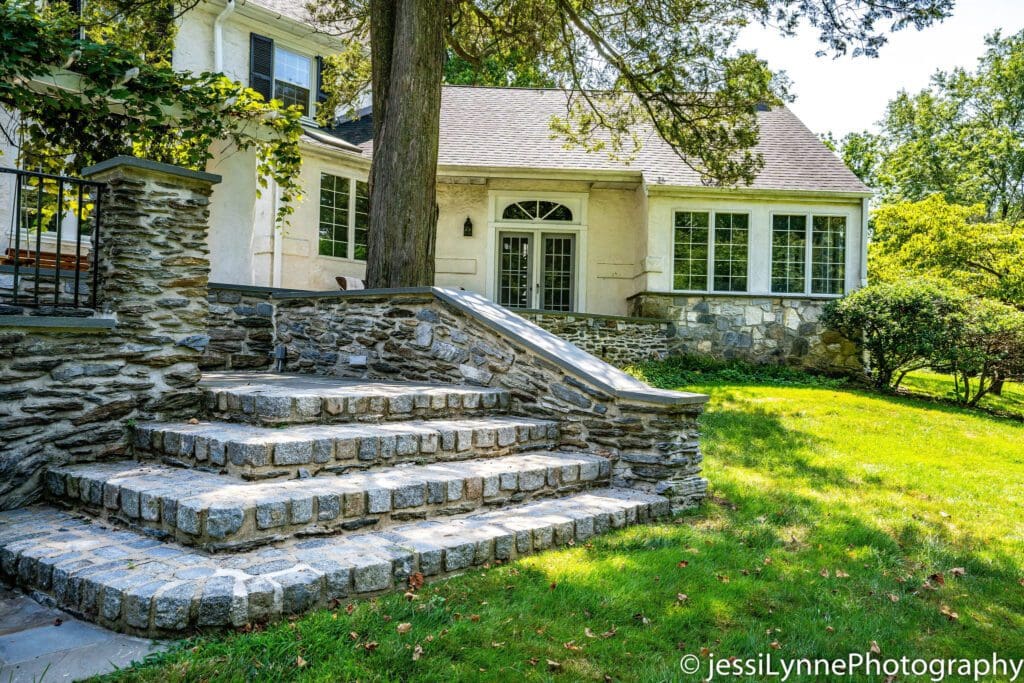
[[68, 384], [617, 340], [756, 329], [241, 328], [416, 336]]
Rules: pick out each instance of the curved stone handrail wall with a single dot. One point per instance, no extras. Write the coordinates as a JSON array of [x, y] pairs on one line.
[[442, 335]]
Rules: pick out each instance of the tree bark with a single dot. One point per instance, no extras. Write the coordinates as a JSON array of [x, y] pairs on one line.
[[407, 51]]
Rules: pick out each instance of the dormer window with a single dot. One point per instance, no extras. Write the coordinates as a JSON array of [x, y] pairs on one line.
[[278, 73]]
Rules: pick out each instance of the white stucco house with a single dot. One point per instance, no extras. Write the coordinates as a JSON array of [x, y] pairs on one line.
[[533, 225]]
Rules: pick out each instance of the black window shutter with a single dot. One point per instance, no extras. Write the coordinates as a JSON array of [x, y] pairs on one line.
[[321, 96], [261, 65]]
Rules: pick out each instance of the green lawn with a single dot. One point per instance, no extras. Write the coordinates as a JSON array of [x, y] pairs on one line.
[[830, 509], [941, 386]]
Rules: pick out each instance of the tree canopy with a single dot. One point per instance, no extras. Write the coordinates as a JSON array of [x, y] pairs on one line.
[[128, 99], [961, 138]]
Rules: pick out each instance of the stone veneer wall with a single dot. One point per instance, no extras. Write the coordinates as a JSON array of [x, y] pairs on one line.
[[66, 383], [617, 340], [241, 328], [416, 336], [756, 329]]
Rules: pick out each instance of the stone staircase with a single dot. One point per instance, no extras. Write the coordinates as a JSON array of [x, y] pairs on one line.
[[300, 491]]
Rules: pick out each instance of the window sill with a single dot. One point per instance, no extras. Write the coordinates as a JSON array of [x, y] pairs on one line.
[[342, 259]]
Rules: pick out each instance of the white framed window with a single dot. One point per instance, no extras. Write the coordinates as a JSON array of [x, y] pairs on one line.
[[710, 251], [808, 254], [293, 78], [344, 217]]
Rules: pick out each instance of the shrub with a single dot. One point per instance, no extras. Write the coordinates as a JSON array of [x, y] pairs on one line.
[[986, 346], [902, 326]]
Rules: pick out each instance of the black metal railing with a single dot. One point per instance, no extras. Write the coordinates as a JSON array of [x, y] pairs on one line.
[[50, 239]]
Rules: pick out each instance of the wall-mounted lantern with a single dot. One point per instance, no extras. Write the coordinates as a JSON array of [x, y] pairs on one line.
[[467, 228]]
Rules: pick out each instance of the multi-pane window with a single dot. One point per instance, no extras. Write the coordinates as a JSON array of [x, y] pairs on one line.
[[334, 205], [730, 256], [789, 254], [344, 217], [292, 78], [717, 241], [691, 250], [808, 254], [828, 254]]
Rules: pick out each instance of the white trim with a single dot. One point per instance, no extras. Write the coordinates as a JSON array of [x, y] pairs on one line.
[[711, 249], [350, 229]]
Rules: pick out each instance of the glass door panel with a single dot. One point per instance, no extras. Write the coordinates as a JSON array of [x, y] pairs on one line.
[[558, 272], [515, 270]]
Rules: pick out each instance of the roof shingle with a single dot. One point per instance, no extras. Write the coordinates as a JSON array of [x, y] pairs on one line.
[[510, 128]]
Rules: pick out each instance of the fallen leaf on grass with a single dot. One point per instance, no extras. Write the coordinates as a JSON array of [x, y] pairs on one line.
[[404, 627], [554, 666], [958, 571], [948, 613], [937, 578], [775, 645], [840, 574], [417, 652], [371, 646], [300, 662], [829, 629], [474, 618], [682, 564], [639, 616], [610, 633], [681, 598], [571, 645], [824, 573], [588, 633], [416, 581], [893, 597], [875, 650]]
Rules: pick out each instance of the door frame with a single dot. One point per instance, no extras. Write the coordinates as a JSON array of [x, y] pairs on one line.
[[498, 199]]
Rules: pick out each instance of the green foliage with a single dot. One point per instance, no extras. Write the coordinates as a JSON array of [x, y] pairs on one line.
[[901, 325], [962, 137], [693, 369], [122, 104], [952, 243], [986, 344], [509, 69], [668, 65]]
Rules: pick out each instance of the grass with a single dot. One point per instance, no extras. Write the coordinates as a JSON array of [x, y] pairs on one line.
[[934, 385], [830, 509]]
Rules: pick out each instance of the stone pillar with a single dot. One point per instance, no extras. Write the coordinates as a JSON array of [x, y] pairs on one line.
[[154, 270]]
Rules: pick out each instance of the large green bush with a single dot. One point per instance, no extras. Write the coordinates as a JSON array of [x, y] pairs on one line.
[[986, 346], [902, 326]]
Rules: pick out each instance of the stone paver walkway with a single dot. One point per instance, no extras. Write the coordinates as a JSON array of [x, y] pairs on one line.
[[42, 644]]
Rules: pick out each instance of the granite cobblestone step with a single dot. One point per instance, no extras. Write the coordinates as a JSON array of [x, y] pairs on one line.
[[254, 452], [218, 512], [281, 399], [136, 584]]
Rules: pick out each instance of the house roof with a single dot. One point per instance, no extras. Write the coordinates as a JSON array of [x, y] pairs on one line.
[[509, 128]]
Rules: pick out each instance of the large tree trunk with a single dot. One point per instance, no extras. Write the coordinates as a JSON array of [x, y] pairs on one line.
[[407, 50]]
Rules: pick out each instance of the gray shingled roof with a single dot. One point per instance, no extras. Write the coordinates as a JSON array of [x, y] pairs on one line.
[[510, 128]]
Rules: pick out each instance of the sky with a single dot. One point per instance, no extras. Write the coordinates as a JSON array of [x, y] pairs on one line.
[[850, 94]]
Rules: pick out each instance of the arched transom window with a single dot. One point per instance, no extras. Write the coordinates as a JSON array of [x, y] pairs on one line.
[[537, 210]]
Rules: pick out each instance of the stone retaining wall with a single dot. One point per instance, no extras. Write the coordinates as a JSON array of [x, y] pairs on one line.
[[756, 329], [417, 336], [617, 340], [68, 383], [241, 328]]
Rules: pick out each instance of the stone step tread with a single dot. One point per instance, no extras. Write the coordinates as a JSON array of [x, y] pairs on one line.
[[285, 398], [133, 583], [248, 433], [221, 512]]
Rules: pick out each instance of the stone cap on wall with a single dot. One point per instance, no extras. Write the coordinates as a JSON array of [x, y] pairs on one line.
[[560, 352], [125, 161]]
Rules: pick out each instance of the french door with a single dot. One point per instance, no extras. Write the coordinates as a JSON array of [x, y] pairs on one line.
[[537, 270]]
